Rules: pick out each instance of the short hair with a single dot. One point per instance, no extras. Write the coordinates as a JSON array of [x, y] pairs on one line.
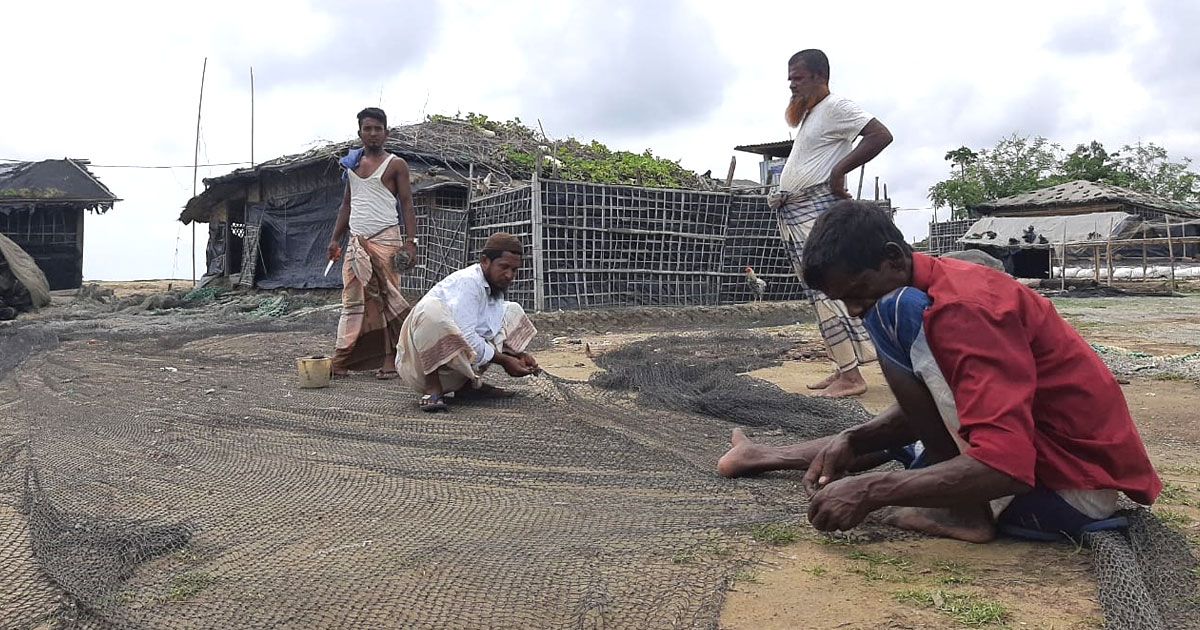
[[813, 59], [501, 242], [372, 112], [850, 237]]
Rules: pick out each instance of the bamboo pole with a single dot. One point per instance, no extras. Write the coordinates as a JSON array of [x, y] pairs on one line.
[[1063, 273], [1144, 250], [862, 170], [1096, 263], [196, 162], [1108, 253], [251, 116], [1170, 252]]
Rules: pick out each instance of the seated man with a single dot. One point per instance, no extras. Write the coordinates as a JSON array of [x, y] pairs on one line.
[[1005, 415], [463, 325]]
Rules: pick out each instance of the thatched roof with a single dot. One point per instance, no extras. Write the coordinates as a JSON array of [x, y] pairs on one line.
[[1084, 193], [65, 181]]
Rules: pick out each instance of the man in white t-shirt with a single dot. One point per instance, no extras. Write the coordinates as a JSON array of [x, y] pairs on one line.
[[812, 180]]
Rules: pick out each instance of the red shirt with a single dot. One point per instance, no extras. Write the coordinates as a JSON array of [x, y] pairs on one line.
[[1035, 402]]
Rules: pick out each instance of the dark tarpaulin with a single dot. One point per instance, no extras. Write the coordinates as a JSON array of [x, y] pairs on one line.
[[295, 238]]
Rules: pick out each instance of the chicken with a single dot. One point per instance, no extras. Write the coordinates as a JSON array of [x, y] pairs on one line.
[[757, 285]]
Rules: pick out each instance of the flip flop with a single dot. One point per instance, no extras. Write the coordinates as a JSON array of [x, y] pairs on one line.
[[431, 404], [386, 375]]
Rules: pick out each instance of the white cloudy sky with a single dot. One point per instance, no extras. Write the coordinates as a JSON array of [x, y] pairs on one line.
[[116, 82]]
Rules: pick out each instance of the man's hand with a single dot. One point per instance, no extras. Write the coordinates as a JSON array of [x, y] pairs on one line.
[[841, 505], [410, 248], [530, 363], [513, 366], [335, 250], [830, 464], [837, 184]]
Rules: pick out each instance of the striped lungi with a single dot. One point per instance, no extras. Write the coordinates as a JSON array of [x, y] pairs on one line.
[[845, 337]]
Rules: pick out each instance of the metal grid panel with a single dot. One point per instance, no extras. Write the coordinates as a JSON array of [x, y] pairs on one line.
[[752, 240], [624, 245], [47, 226], [442, 230], [943, 236], [510, 211]]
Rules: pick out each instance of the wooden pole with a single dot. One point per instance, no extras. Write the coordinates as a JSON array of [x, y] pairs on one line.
[[196, 162], [251, 116], [876, 188], [1144, 250], [729, 177], [1170, 252], [885, 195], [1096, 263], [862, 170], [1063, 271], [1108, 253]]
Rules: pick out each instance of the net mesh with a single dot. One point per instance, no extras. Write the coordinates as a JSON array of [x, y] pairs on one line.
[[182, 480], [179, 479]]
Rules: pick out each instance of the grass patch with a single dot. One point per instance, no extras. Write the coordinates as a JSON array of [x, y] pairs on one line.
[[966, 609], [746, 577], [1178, 495], [881, 566], [817, 571], [776, 534], [1168, 376], [954, 573], [188, 585], [1173, 518]]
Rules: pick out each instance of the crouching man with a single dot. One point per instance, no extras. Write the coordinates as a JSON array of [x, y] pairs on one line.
[[463, 325], [1006, 418]]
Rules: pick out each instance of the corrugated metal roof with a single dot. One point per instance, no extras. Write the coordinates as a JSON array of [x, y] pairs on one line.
[[1081, 192], [782, 148], [53, 180]]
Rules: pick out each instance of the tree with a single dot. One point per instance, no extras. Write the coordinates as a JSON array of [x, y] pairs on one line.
[[1023, 164], [1015, 165]]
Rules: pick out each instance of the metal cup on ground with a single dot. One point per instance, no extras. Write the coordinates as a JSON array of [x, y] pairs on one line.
[[315, 371]]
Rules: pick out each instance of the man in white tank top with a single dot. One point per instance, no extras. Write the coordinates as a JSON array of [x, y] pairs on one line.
[[378, 189], [812, 180]]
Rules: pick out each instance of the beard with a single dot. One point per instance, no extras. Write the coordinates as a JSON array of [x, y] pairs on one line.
[[797, 108]]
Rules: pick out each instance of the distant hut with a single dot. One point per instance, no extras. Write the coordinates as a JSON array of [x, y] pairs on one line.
[[42, 205]]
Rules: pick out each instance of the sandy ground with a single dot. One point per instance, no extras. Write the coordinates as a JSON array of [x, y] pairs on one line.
[[814, 584]]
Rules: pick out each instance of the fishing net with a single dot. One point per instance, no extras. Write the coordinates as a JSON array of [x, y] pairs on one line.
[[176, 477], [1146, 576], [180, 479]]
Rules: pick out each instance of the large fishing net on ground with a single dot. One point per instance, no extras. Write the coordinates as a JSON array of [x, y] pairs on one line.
[[182, 480]]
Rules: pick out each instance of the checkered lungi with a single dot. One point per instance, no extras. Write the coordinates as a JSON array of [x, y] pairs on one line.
[[845, 337]]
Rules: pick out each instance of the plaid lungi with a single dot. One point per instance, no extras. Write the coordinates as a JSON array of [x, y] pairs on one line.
[[845, 337]]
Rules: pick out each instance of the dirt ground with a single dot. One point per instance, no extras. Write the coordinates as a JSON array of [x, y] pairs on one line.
[[847, 583], [819, 584]]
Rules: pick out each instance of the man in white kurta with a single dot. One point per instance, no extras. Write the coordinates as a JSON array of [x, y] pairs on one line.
[[463, 325]]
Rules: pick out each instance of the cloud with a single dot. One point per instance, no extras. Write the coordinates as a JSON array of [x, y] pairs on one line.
[[1090, 34], [626, 67], [350, 42]]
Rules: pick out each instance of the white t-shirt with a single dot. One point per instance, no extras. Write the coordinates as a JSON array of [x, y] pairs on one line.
[[823, 139]]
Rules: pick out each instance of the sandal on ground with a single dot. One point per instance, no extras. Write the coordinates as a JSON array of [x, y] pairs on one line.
[[431, 403], [386, 375]]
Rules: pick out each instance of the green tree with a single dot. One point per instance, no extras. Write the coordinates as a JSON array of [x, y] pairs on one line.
[[1015, 165], [1022, 164]]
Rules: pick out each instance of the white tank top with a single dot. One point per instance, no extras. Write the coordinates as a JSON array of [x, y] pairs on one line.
[[372, 205]]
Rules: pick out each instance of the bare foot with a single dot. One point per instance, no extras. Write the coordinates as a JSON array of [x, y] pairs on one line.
[[340, 373], [970, 525], [742, 459], [846, 384], [484, 391], [826, 382]]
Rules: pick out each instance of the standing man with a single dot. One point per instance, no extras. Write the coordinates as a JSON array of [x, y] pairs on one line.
[[377, 191], [812, 180]]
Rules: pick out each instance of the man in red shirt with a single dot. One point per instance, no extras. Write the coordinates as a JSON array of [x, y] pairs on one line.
[[1005, 415]]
